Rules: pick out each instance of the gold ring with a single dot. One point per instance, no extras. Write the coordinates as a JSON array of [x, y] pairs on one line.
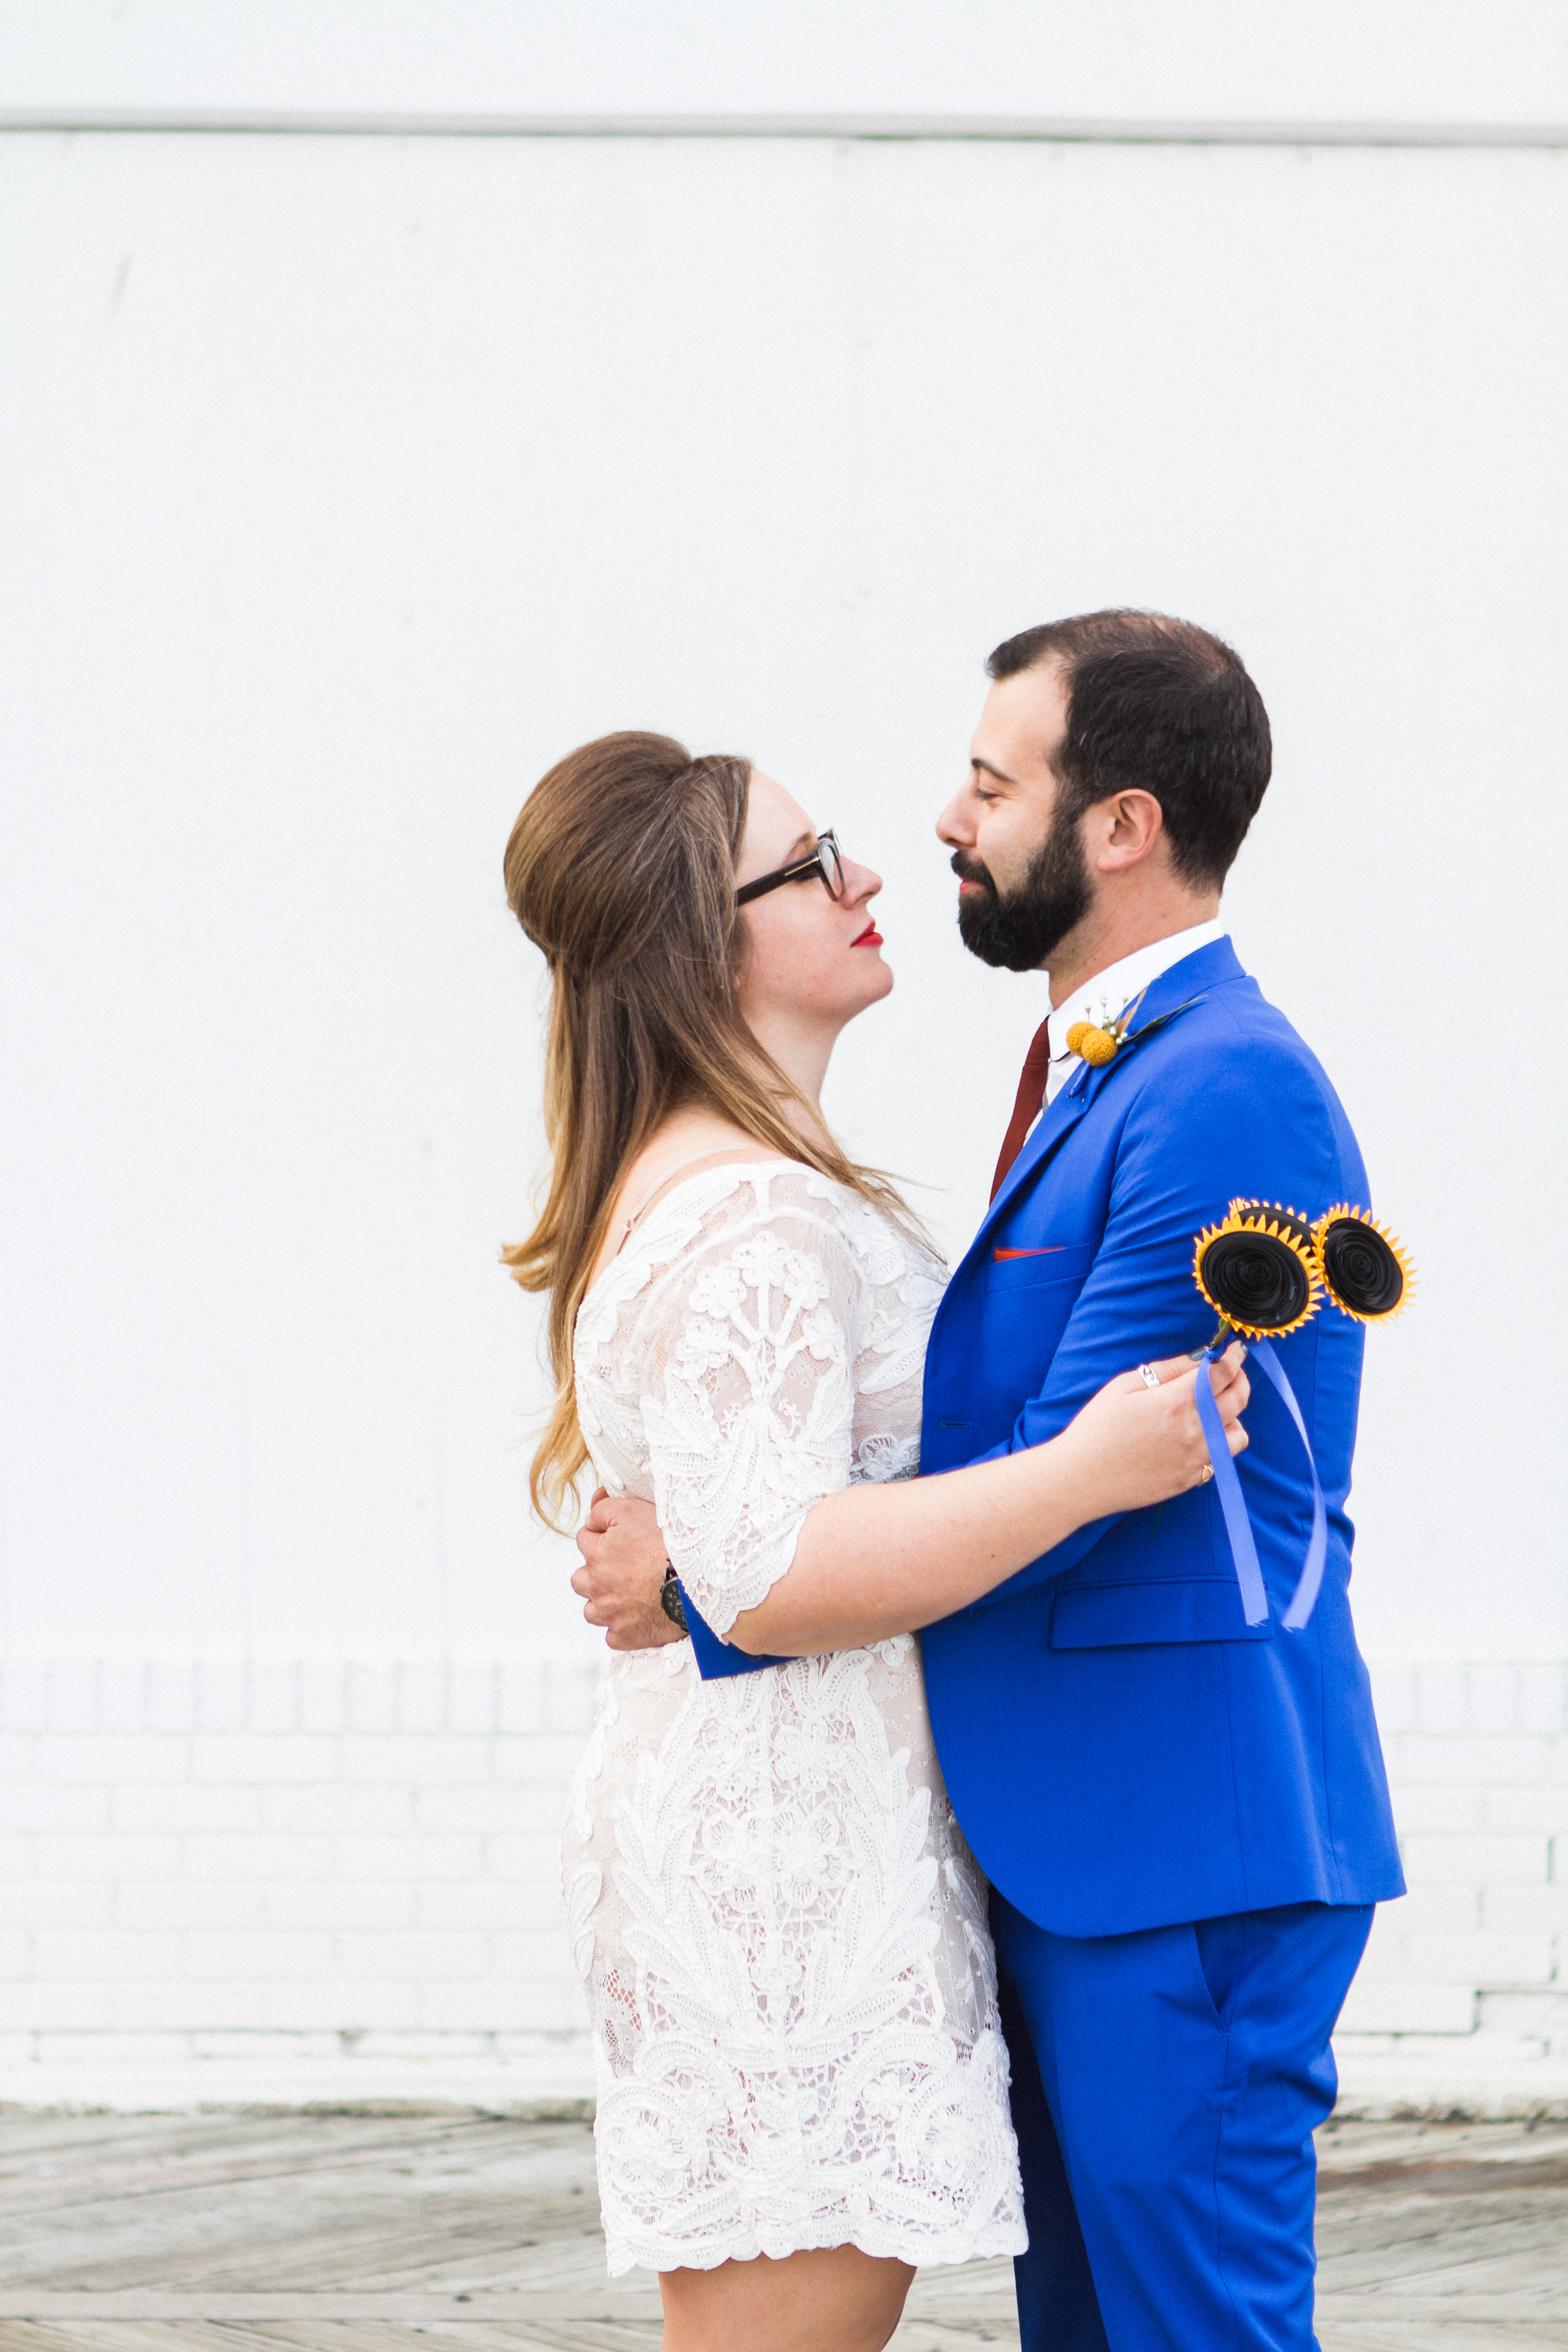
[[1206, 1472]]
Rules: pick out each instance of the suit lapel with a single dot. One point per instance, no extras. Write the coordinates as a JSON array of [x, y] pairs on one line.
[[1196, 973]]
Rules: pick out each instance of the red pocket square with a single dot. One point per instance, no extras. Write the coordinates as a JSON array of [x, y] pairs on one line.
[[1049, 1250]]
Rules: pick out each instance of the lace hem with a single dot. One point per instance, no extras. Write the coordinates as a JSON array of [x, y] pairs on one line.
[[885, 2240]]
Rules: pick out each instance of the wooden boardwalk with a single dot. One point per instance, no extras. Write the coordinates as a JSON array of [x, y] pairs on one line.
[[365, 2233]]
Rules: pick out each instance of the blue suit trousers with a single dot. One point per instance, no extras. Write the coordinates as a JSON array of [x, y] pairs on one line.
[[1183, 2070]]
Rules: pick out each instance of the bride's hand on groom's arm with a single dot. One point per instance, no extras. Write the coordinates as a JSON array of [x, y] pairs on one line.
[[874, 1560], [623, 1568], [1141, 1443], [880, 1560]]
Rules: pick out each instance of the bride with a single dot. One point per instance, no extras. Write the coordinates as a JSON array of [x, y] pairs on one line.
[[802, 2082]]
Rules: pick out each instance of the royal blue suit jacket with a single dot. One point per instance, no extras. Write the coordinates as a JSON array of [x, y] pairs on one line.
[[1123, 1751]]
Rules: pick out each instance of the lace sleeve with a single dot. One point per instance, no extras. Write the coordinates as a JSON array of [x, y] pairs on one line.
[[749, 1393]]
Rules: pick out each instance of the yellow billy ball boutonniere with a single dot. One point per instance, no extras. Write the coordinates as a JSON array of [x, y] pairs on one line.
[[1093, 1044], [1361, 1265], [1258, 1270], [1098, 1042]]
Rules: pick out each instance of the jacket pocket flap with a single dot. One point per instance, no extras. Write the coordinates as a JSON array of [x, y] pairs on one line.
[[1117, 1616]]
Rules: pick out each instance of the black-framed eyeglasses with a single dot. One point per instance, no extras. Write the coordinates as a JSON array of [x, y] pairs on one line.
[[825, 862]]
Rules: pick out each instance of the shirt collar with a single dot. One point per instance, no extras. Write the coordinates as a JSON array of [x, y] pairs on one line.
[[1110, 991]]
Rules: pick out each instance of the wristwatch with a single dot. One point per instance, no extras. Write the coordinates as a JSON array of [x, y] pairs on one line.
[[669, 1598]]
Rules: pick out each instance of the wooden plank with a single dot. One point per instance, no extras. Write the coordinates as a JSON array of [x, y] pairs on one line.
[[350, 2233], [1434, 2335], [142, 2302]]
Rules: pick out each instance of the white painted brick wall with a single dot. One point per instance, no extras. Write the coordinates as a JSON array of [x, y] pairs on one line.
[[1463, 1994], [285, 1882], [297, 1882]]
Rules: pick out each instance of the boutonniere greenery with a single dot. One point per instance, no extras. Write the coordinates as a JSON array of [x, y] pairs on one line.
[[1098, 1042]]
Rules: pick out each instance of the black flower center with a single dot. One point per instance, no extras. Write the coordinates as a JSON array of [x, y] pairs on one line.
[[1360, 1269], [1257, 1279]]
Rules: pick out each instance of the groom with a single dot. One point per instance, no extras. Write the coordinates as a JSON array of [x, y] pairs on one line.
[[1183, 1816]]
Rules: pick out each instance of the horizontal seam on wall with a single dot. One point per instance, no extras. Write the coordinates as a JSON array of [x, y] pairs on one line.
[[1023, 128]]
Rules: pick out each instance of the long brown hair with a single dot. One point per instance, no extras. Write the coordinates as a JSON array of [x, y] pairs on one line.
[[621, 867]]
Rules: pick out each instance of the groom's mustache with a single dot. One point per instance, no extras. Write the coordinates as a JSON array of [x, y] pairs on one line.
[[970, 869]]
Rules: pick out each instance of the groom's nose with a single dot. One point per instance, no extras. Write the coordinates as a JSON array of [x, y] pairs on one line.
[[955, 826]]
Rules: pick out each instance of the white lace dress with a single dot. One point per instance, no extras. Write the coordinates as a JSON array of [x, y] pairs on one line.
[[781, 1932]]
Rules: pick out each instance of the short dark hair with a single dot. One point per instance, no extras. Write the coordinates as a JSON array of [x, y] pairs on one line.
[[1162, 706]]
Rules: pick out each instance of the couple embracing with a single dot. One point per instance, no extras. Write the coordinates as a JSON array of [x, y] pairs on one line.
[[954, 1870]]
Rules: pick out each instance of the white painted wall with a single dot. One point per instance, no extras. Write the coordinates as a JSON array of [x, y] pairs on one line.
[[232, 1882], [349, 481], [1390, 61]]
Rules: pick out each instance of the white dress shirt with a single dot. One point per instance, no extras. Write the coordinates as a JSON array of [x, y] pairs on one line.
[[1110, 991]]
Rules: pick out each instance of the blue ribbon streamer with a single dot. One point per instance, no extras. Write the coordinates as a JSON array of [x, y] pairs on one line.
[[1254, 1599], [1304, 1599], [1244, 1551]]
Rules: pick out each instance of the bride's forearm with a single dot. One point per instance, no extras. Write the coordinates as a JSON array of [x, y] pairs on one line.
[[873, 1561]]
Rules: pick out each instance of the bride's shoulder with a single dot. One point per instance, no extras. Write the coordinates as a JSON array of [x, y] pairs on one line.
[[771, 1193], [721, 1232], [724, 1205], [886, 1248]]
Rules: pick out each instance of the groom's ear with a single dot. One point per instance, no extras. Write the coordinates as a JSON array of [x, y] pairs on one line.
[[1122, 831]]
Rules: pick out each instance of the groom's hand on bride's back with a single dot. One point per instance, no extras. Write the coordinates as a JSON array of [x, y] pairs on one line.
[[624, 1564]]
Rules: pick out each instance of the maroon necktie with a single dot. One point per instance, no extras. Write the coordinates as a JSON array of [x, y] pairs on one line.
[[1031, 1094]]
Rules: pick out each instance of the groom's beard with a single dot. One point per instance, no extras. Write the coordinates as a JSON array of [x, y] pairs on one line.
[[1020, 931]]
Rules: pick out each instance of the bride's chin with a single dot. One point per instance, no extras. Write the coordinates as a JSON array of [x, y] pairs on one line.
[[878, 982]]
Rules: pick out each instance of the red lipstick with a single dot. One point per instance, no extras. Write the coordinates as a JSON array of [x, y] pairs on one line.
[[870, 938]]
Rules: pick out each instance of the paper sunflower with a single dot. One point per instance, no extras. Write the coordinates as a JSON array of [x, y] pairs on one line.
[[1361, 1265], [1258, 1269]]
